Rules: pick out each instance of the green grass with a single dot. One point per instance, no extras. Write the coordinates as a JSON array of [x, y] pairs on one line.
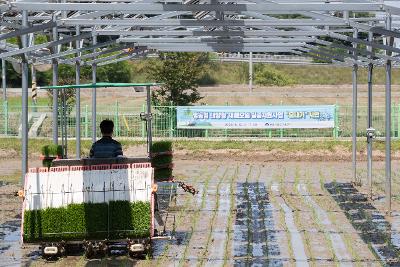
[[328, 74], [12, 178], [237, 73], [16, 101], [35, 145]]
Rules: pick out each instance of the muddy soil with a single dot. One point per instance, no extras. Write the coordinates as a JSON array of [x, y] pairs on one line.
[[253, 213], [277, 155]]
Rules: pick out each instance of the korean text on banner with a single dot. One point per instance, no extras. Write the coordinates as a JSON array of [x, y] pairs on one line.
[[255, 117]]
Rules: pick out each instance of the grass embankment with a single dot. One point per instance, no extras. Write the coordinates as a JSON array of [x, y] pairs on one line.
[[17, 101], [237, 73], [11, 147]]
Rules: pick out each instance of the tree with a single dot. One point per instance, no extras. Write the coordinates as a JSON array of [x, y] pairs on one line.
[[267, 75], [116, 72], [180, 74], [66, 76]]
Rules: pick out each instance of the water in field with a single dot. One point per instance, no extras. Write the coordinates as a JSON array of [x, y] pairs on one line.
[[10, 245]]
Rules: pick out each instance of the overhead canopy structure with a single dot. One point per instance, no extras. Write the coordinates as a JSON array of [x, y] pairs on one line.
[[98, 85], [99, 32], [115, 30]]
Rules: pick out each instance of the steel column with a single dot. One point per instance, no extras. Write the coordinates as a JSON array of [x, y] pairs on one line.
[[251, 72], [78, 99], [55, 83], [33, 78], [3, 79], [24, 117], [5, 103], [64, 133], [354, 124], [354, 115], [370, 130], [94, 69], [388, 113], [149, 118], [34, 86]]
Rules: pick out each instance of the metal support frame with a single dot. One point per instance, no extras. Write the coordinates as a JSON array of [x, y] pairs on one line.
[[148, 120], [94, 94], [32, 29], [34, 85], [55, 91], [24, 117], [251, 72], [236, 27], [388, 116], [52, 44], [354, 114], [5, 102], [3, 79], [78, 99], [370, 131], [64, 133], [33, 77], [158, 8], [354, 126]]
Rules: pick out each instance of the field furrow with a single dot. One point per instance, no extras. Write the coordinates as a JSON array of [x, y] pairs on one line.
[[296, 238], [204, 218], [270, 214]]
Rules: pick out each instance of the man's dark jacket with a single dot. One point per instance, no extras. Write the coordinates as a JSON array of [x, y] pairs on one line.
[[106, 147]]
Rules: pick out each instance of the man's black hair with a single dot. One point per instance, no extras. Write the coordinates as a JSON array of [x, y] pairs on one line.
[[107, 127]]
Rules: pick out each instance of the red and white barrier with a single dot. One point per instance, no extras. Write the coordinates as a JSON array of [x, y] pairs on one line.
[[61, 186]]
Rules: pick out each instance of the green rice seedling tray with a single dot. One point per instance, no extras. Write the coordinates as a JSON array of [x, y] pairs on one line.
[[162, 160], [88, 221]]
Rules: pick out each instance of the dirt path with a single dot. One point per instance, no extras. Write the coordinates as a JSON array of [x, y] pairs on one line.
[[13, 166]]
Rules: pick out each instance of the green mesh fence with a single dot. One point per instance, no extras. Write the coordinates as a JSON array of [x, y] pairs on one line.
[[128, 123]]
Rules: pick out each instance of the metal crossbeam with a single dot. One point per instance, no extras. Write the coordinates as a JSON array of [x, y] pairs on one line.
[[45, 45], [155, 8], [20, 32]]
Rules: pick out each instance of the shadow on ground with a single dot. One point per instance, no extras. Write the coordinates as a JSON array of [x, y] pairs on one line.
[[111, 262], [367, 220]]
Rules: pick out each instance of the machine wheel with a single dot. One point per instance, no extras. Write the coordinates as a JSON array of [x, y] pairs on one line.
[[89, 251], [149, 252], [62, 251], [52, 251], [102, 250], [138, 255]]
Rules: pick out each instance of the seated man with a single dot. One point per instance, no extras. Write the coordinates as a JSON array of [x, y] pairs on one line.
[[106, 147]]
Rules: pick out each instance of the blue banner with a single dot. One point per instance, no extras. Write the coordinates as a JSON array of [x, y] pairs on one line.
[[255, 117]]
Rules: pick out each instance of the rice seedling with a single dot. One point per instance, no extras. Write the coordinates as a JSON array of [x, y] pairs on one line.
[[195, 219], [231, 215]]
